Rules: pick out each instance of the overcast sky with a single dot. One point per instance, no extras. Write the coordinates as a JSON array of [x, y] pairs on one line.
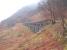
[[9, 7]]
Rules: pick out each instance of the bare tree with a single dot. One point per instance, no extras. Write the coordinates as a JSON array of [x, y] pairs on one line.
[[54, 6], [51, 8], [59, 5]]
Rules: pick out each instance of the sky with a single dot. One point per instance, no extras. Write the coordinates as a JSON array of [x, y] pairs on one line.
[[9, 7]]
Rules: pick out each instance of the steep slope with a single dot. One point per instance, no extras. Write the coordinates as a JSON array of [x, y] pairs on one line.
[[27, 14], [12, 37], [20, 16], [20, 37], [28, 29]]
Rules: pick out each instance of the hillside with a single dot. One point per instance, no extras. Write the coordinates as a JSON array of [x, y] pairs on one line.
[[20, 16], [30, 29], [20, 37], [29, 14]]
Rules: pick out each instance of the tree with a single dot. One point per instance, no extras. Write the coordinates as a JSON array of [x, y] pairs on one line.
[[60, 6], [55, 6], [49, 5]]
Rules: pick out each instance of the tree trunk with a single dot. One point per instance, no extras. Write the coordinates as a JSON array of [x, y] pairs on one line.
[[52, 17], [62, 23]]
